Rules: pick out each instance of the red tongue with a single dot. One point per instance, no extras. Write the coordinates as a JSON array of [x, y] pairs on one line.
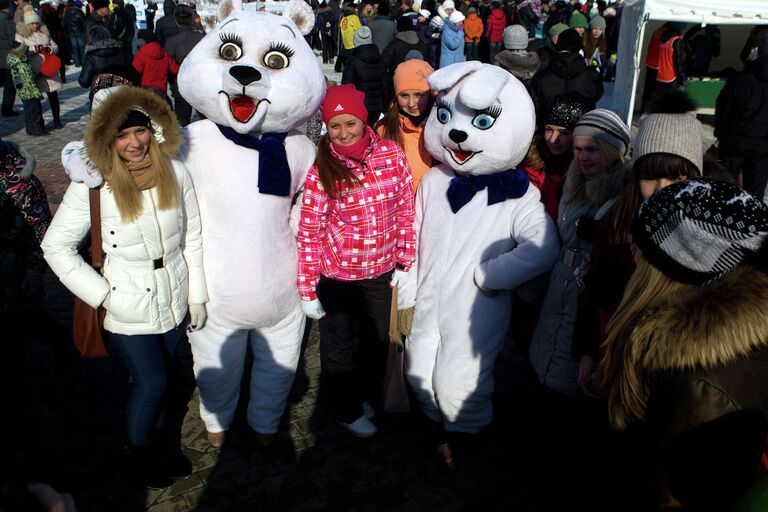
[[242, 108], [461, 155]]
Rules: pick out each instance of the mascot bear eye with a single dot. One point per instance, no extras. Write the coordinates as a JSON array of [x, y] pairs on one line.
[[443, 115], [483, 121], [276, 60], [230, 51]]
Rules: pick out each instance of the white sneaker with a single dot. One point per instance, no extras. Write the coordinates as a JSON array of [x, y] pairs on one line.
[[368, 411], [361, 427]]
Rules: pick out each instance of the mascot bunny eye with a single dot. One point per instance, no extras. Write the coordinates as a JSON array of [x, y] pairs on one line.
[[443, 115], [278, 56], [485, 118], [231, 47]]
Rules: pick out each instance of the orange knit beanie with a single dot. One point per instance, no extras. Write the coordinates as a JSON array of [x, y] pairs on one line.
[[412, 74]]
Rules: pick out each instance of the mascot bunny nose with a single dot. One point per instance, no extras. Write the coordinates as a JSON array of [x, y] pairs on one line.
[[245, 74]]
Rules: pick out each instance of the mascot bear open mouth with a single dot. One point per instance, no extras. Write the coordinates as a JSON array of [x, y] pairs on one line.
[[243, 107], [460, 156]]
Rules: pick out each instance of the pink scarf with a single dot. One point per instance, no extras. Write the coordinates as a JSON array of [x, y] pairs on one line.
[[354, 151]]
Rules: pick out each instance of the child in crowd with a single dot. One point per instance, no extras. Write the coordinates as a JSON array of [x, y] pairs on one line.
[[27, 89], [154, 64]]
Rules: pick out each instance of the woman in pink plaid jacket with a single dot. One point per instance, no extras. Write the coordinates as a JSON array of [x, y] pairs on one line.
[[355, 243]]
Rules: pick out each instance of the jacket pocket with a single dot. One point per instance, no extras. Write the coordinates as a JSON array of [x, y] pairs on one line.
[[133, 296]]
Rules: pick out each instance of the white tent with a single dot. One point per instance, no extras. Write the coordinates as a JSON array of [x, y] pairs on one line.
[[633, 38]]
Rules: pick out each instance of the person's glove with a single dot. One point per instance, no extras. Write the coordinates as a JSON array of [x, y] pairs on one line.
[[32, 284], [398, 277], [197, 317], [313, 309], [405, 321]]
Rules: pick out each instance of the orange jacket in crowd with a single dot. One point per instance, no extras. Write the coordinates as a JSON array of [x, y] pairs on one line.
[[473, 28]]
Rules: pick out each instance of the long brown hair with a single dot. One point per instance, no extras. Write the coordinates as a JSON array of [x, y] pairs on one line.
[[391, 124], [128, 196], [331, 170], [628, 390]]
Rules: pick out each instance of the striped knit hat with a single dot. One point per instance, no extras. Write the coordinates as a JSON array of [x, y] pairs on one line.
[[604, 125], [695, 230]]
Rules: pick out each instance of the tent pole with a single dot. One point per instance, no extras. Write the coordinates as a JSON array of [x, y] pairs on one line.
[[636, 71]]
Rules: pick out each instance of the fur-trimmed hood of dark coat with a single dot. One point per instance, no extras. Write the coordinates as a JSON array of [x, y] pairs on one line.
[[111, 113], [522, 64], [697, 354]]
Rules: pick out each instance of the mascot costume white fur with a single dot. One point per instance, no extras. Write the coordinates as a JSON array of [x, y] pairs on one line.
[[481, 232], [256, 80]]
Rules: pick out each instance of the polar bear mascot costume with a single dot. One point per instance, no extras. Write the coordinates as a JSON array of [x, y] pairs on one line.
[[255, 79], [482, 231]]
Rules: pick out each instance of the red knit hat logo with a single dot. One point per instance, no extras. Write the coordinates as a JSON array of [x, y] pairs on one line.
[[344, 99]]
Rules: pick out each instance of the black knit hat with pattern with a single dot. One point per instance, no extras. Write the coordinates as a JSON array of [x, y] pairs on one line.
[[566, 109], [696, 230]]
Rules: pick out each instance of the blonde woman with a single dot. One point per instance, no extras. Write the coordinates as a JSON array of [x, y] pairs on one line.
[[686, 353], [153, 270], [597, 175]]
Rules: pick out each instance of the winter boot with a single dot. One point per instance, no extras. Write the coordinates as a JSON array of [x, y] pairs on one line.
[[169, 449], [147, 467]]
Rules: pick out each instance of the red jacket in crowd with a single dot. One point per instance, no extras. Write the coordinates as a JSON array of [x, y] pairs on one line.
[[494, 27], [154, 64]]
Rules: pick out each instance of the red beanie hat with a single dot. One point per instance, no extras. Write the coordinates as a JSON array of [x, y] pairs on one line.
[[344, 99]]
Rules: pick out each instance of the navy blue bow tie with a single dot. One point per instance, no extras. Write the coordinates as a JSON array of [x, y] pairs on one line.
[[504, 185], [274, 172]]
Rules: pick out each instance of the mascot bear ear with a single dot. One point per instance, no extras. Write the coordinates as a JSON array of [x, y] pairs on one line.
[[301, 14], [227, 7]]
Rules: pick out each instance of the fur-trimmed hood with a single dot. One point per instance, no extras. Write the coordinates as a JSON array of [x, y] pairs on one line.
[[105, 120], [693, 330], [22, 30], [599, 189], [522, 64]]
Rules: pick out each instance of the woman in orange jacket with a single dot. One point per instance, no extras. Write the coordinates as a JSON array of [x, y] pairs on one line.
[[473, 31], [404, 121]]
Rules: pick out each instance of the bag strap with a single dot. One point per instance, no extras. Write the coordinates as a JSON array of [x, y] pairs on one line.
[[97, 256]]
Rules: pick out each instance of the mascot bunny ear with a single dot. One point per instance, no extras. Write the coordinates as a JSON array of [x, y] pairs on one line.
[[227, 7], [301, 14]]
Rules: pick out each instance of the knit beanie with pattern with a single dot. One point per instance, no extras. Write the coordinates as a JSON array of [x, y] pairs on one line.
[[567, 109], [696, 230], [515, 38], [412, 75], [605, 125]]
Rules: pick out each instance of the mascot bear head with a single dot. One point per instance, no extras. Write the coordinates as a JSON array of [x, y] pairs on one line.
[[254, 72], [483, 119]]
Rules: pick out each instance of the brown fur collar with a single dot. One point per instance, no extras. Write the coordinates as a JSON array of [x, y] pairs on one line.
[[706, 327], [533, 158], [25, 32], [105, 120], [601, 188], [693, 329]]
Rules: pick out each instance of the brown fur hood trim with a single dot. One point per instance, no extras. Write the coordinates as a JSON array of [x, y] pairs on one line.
[[24, 31], [601, 188], [107, 117], [533, 158], [704, 328]]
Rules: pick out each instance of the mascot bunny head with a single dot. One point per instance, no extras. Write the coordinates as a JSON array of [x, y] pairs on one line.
[[254, 72], [483, 120]]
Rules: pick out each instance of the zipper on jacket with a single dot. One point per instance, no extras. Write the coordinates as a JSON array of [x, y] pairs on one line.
[[165, 267]]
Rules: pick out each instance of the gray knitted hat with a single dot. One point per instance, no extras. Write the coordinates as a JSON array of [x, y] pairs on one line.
[[362, 36], [515, 38], [597, 22], [695, 230], [675, 134], [604, 125]]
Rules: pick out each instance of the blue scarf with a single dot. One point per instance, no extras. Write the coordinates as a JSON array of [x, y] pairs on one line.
[[274, 172], [503, 185]]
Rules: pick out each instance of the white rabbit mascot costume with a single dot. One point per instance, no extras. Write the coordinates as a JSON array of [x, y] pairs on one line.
[[255, 79], [481, 232]]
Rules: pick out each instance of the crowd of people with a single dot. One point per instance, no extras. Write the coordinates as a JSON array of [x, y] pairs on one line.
[[632, 270]]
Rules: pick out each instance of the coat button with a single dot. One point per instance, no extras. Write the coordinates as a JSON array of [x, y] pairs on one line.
[[111, 232], [114, 246], [114, 288], [149, 290]]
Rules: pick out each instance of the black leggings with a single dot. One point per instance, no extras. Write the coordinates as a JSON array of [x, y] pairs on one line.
[[53, 100]]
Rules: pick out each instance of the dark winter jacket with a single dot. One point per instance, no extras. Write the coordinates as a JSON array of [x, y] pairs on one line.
[[326, 23], [154, 65], [697, 364], [74, 21], [383, 31], [566, 72], [494, 25], [166, 26], [741, 116], [521, 64], [94, 21], [7, 34], [365, 70], [179, 46], [99, 55], [123, 27], [394, 54]]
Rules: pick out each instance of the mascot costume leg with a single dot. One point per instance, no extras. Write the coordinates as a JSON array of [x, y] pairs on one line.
[[481, 232]]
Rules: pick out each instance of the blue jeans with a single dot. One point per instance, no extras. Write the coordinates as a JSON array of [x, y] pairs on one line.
[[147, 358], [77, 42], [470, 50]]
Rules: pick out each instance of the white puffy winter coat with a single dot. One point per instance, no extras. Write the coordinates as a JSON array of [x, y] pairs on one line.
[[139, 298]]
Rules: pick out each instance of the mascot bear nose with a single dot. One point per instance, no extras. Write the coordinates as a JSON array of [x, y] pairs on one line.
[[245, 74], [457, 136]]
